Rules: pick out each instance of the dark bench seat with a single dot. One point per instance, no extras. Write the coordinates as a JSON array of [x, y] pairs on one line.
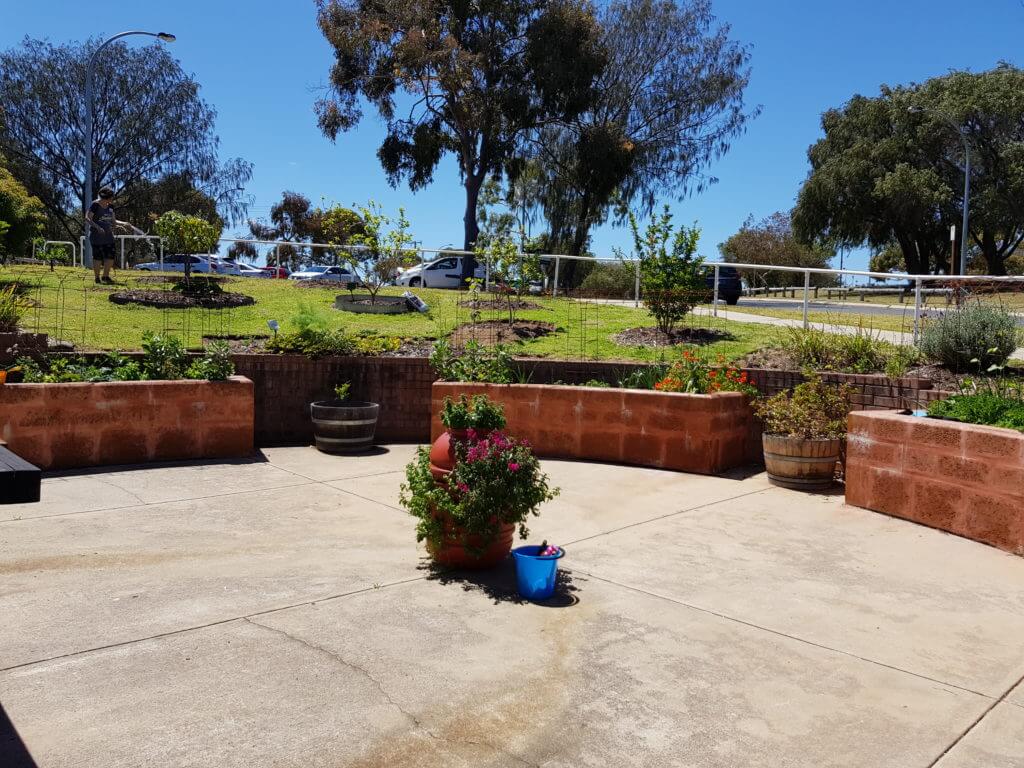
[[19, 480]]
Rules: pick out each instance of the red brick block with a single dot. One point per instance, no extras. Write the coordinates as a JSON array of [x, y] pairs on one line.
[[72, 449], [938, 505], [939, 434], [964, 470], [997, 443], [227, 442], [643, 449], [858, 484], [120, 445], [874, 452], [921, 460], [891, 493], [994, 519], [171, 444]]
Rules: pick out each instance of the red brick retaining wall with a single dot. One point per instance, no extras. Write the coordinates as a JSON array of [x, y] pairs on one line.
[[690, 433], [60, 426], [285, 385], [962, 478]]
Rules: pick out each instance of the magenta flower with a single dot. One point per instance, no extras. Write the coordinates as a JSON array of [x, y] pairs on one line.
[[513, 467], [463, 487]]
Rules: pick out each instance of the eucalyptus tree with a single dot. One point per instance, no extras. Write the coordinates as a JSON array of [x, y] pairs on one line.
[[470, 79], [150, 123]]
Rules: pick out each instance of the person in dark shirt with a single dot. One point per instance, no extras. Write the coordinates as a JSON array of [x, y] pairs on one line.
[[101, 234]]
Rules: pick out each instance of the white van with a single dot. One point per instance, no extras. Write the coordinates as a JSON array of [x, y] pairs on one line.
[[445, 272]]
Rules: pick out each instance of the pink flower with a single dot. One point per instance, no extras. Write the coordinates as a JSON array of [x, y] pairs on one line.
[[463, 487], [513, 467], [471, 434]]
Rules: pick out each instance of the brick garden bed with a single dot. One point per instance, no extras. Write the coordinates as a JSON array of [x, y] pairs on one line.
[[61, 426], [962, 478], [690, 433]]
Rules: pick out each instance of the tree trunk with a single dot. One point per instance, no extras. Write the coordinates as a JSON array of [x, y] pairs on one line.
[[993, 258], [471, 227]]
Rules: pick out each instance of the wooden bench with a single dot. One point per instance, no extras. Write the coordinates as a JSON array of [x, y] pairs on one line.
[[19, 480]]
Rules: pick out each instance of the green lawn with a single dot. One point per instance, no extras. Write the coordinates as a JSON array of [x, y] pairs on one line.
[[70, 306]]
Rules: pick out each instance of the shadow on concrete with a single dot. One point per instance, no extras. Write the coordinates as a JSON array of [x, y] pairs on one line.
[[499, 584], [13, 752], [256, 458]]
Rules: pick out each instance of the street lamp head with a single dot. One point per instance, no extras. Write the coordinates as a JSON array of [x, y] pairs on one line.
[[167, 37]]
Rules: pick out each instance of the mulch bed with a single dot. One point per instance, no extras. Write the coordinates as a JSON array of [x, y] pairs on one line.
[[179, 300], [493, 332], [499, 304], [178, 278], [653, 337]]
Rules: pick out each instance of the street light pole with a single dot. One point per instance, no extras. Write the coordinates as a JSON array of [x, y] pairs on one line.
[[962, 133], [90, 71]]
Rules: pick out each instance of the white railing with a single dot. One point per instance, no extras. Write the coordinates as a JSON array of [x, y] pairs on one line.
[[917, 281]]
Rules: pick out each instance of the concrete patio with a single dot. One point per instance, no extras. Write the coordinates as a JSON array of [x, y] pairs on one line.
[[278, 613]]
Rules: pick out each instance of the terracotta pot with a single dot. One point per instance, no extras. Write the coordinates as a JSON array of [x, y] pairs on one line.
[[453, 554], [801, 464], [3, 377], [442, 452]]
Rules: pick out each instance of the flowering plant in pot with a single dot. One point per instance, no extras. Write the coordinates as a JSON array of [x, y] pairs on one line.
[[468, 518], [804, 433], [468, 515], [477, 417], [343, 425]]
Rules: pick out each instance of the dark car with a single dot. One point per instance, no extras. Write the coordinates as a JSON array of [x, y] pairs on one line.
[[730, 286]]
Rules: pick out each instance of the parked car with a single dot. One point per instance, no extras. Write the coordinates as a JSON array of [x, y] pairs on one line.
[[730, 285], [445, 272], [198, 264], [278, 273], [247, 270], [338, 274]]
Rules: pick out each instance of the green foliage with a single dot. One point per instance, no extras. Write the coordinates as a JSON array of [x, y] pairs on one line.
[[771, 242], [596, 383], [814, 411], [610, 281], [479, 413], [496, 480], [164, 357], [215, 365], [973, 337], [150, 122], [476, 363], [983, 408], [313, 342], [644, 378], [666, 105], [384, 246], [342, 391], [13, 307], [695, 374], [511, 271], [309, 317], [22, 216], [671, 276], [859, 352], [506, 69], [890, 170], [186, 234]]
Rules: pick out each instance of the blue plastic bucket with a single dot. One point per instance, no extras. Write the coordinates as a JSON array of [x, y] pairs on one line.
[[535, 575]]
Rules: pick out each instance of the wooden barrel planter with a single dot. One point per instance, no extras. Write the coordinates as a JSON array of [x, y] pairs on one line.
[[343, 426], [792, 462]]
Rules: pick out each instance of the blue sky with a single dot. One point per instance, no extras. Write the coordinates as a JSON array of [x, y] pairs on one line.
[[260, 65]]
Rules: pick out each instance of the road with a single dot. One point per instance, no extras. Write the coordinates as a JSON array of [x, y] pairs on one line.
[[847, 307]]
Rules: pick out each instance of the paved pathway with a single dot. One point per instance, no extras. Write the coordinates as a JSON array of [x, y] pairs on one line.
[[276, 613], [896, 337]]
